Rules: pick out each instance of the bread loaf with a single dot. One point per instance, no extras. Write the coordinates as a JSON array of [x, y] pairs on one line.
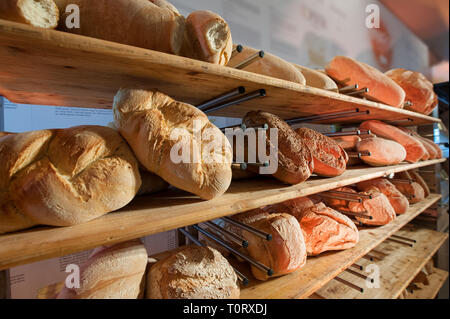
[[207, 38], [378, 207], [329, 158], [165, 4], [295, 161], [413, 191], [192, 272], [269, 65], [398, 201], [160, 129], [419, 180], [139, 23], [432, 153], [347, 142], [151, 183], [64, 177], [414, 149], [338, 203], [382, 152], [317, 79], [38, 13], [380, 86], [114, 272], [418, 90], [285, 253]]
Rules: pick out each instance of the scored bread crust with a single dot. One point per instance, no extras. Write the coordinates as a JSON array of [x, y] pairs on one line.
[[154, 125], [139, 23], [38, 13], [192, 272], [330, 159], [64, 177], [382, 151], [114, 272], [269, 65], [295, 160], [378, 207], [418, 90], [317, 79], [207, 38], [380, 86]]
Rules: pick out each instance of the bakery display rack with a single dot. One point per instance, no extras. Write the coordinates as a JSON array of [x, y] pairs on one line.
[[54, 68]]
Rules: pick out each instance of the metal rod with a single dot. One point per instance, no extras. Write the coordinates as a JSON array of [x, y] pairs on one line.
[[357, 274], [238, 49], [348, 88], [249, 96], [345, 282], [224, 97], [355, 200], [359, 154], [356, 266], [241, 277], [408, 103], [251, 59], [373, 257], [252, 230], [350, 194], [348, 133], [358, 92], [404, 238], [401, 180], [244, 166], [399, 242], [378, 252], [320, 116], [255, 263], [367, 257], [398, 121], [360, 215], [237, 239]]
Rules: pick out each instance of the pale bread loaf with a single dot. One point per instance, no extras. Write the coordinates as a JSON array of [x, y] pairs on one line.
[[317, 79], [38, 13], [114, 272], [147, 120], [192, 272], [382, 151], [64, 177]]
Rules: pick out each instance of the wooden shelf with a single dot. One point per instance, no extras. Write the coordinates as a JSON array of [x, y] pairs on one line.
[[436, 281], [319, 270], [160, 212], [56, 68], [396, 270]]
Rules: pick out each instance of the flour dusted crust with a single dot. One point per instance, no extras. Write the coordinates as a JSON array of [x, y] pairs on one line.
[[192, 272], [382, 151], [114, 272], [64, 177], [153, 123], [38, 13]]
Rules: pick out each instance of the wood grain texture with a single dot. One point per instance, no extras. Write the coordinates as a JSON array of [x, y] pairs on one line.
[[436, 281], [165, 211], [319, 270], [397, 269], [55, 68]]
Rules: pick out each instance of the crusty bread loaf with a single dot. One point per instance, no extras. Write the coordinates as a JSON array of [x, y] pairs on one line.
[[347, 142], [413, 191], [295, 161], [269, 65], [378, 207], [398, 201], [285, 253], [419, 180], [139, 23], [414, 149], [64, 177], [329, 158], [431, 152], [157, 127], [382, 152], [192, 272], [207, 38], [114, 272], [380, 86], [325, 229], [294, 207], [338, 203], [151, 183], [418, 90], [38, 13], [317, 79], [165, 4]]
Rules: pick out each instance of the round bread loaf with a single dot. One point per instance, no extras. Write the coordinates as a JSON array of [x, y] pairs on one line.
[[295, 160], [38, 13], [192, 272], [159, 129], [378, 207], [347, 142], [114, 272], [64, 177], [418, 90], [382, 152], [317, 79]]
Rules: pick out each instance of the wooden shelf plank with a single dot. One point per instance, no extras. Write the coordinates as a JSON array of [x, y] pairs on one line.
[[436, 281], [319, 270], [55, 68], [160, 212], [396, 270]]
